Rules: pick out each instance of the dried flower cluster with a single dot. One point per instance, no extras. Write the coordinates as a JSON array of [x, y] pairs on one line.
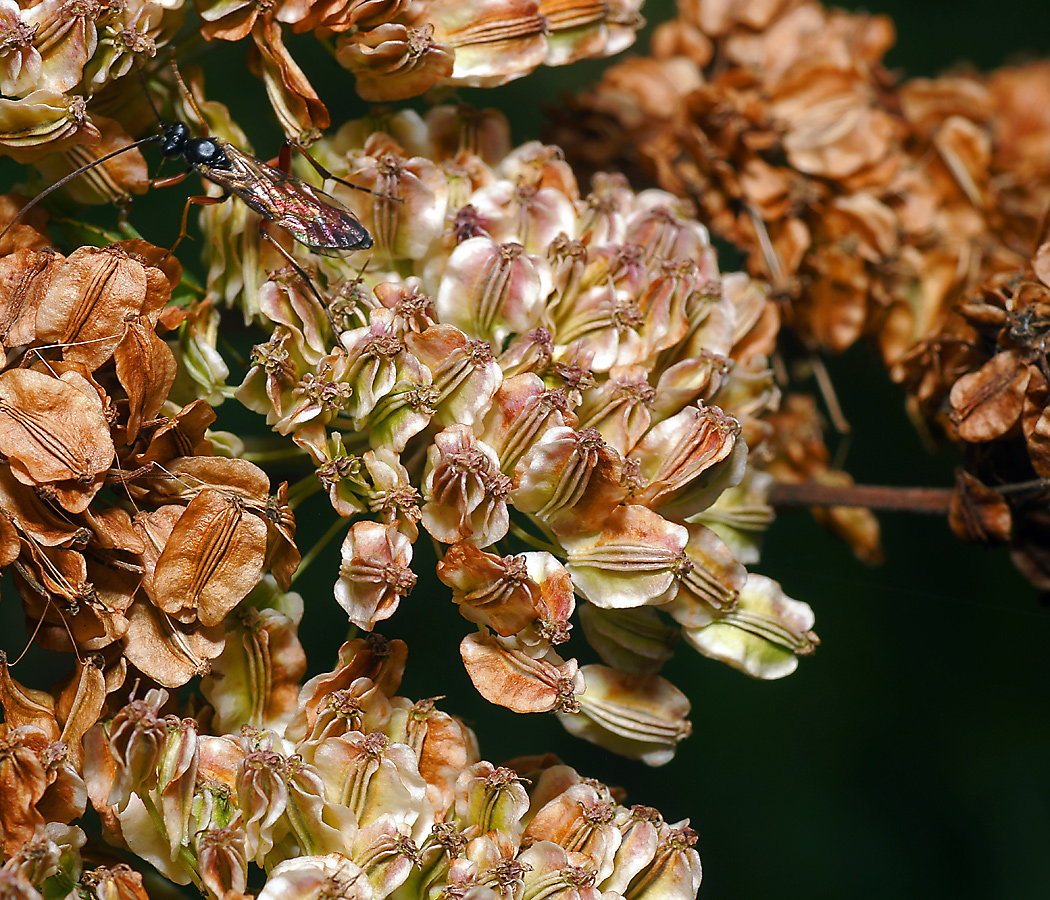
[[558, 389], [905, 213], [998, 404], [56, 56], [398, 49], [338, 789], [141, 551], [59, 58], [128, 538], [520, 362]]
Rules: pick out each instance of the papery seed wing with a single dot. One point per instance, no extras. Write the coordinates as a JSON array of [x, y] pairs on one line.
[[26, 706], [508, 677], [186, 476], [165, 650], [50, 430], [89, 298], [24, 279], [80, 705], [212, 559], [146, 368]]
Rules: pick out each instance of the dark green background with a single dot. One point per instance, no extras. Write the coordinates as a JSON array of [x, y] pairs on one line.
[[909, 757]]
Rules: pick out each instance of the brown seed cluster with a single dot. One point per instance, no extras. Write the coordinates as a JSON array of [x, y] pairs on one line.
[[903, 212], [555, 386], [525, 367], [398, 49], [999, 404], [128, 538]]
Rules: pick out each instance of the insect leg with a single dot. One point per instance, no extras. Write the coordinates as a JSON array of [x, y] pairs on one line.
[[285, 159], [170, 180], [202, 200], [301, 272]]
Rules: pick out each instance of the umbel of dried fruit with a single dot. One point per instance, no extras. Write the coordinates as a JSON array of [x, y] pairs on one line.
[[873, 206], [338, 784], [905, 212], [557, 388], [59, 62], [349, 786]]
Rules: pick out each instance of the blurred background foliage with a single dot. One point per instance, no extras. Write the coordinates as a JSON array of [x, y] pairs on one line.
[[909, 757]]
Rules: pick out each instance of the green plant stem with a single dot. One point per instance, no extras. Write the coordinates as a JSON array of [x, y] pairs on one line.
[[277, 454], [185, 854], [338, 525], [1036, 485], [353, 440], [533, 541], [303, 489]]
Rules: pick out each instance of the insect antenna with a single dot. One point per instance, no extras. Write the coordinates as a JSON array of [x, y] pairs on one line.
[[61, 181], [326, 175], [31, 352], [189, 100], [149, 97]]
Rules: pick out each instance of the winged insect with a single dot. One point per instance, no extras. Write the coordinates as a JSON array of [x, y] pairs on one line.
[[312, 217]]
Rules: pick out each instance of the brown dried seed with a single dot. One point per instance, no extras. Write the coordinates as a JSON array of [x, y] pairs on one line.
[[24, 279], [50, 430], [282, 556], [146, 368], [213, 557], [26, 706], [184, 478], [167, 651], [79, 705], [293, 98], [10, 543], [507, 676], [22, 784], [978, 512], [90, 296], [490, 590], [987, 404], [165, 439]]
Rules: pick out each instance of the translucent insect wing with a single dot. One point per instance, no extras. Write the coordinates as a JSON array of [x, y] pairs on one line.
[[314, 218]]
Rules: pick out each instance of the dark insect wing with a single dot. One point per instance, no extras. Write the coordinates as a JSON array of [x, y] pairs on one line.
[[314, 218], [328, 227]]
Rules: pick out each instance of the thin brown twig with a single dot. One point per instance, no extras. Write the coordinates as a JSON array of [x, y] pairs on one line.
[[932, 501]]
